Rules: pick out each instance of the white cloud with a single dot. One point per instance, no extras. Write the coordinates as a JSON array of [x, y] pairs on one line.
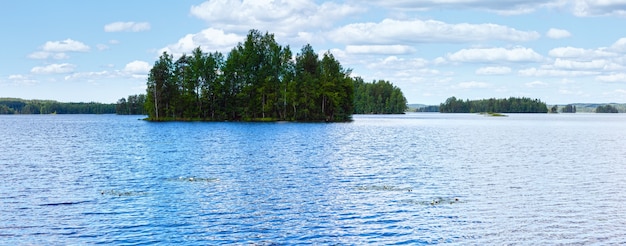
[[517, 54], [127, 27], [54, 68], [580, 65], [558, 33], [598, 7], [276, 16], [380, 49], [493, 70], [40, 55], [514, 7], [209, 40], [504, 7], [551, 72], [619, 45], [21, 79], [396, 63], [137, 67], [132, 70], [572, 52], [613, 78], [67, 45], [93, 75], [430, 31], [102, 47], [536, 83], [620, 91], [471, 85]]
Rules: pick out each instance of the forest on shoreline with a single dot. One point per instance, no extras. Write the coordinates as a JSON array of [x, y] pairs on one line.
[[22, 106]]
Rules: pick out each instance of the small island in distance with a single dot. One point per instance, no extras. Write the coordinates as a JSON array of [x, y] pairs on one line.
[[514, 105]]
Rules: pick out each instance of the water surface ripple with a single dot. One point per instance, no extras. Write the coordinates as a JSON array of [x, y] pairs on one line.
[[406, 180]]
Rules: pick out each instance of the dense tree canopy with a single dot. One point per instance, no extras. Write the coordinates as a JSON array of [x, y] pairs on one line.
[[21, 106], [378, 97], [606, 109], [134, 105], [510, 105], [259, 80]]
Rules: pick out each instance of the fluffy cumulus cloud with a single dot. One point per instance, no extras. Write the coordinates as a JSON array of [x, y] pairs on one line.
[[208, 40], [471, 85], [514, 7], [517, 54], [573, 52], [598, 7], [137, 69], [619, 45], [281, 17], [504, 7], [54, 68], [493, 70], [612, 78], [558, 33], [132, 70], [397, 63], [553, 72], [93, 75], [535, 84], [580, 65], [57, 49], [127, 27], [391, 31], [380, 49], [67, 45], [21, 79], [47, 55]]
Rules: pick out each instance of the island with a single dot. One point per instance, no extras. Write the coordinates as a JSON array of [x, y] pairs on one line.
[[261, 80]]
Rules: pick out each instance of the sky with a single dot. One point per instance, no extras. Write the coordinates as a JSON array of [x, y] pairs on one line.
[[558, 51]]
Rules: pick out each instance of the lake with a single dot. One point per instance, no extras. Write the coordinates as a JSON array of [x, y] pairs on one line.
[[420, 178]]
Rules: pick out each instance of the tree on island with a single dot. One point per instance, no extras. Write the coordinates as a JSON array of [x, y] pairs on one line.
[[378, 97], [554, 109], [259, 80], [510, 105], [606, 109], [134, 105], [568, 109]]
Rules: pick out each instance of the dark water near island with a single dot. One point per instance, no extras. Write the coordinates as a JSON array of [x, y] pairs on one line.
[[409, 179]]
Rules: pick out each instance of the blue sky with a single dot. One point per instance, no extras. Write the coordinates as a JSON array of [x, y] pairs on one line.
[[560, 51]]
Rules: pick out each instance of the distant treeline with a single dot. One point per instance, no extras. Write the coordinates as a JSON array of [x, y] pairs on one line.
[[427, 109], [606, 109], [259, 80], [378, 97], [510, 105], [21, 106], [589, 108], [134, 105]]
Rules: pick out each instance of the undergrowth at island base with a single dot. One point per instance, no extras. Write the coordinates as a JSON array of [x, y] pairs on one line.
[[492, 114]]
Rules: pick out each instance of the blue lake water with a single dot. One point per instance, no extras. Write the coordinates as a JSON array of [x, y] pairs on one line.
[[408, 179]]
